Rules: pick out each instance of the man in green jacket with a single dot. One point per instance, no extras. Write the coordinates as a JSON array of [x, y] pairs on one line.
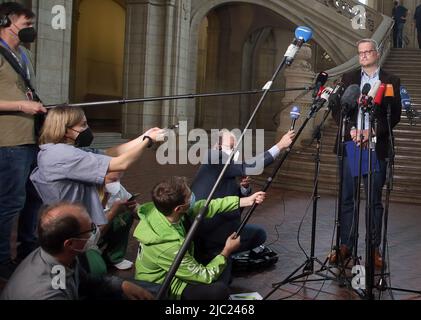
[[161, 234]]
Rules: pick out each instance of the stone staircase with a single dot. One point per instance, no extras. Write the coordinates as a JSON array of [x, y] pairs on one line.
[[298, 171]]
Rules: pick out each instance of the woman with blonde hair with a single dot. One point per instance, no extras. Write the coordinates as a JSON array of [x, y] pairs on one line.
[[69, 171]]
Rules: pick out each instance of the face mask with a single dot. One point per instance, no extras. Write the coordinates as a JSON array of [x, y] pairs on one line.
[[85, 138], [27, 35], [192, 201], [229, 151], [91, 242], [113, 187]]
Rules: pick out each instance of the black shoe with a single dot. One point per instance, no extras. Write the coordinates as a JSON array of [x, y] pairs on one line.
[[7, 269]]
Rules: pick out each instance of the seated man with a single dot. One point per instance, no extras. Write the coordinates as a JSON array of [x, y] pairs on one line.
[[52, 272], [212, 232], [161, 234]]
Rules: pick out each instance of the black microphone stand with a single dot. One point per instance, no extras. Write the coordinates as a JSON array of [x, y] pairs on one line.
[[364, 292], [382, 283], [202, 213], [340, 147], [370, 234], [174, 97], [308, 264]]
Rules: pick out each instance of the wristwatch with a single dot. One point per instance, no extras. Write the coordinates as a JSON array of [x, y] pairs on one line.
[[150, 142]]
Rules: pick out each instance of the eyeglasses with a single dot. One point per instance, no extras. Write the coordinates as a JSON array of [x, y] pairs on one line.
[[93, 230], [365, 53]]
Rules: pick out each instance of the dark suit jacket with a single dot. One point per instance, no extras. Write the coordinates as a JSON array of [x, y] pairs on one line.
[[382, 145], [215, 231]]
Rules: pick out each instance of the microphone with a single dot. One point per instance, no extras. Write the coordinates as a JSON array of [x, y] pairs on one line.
[[302, 35], [379, 96], [411, 113], [336, 95], [405, 100], [326, 93], [321, 100], [350, 98], [373, 91], [389, 93], [294, 114], [320, 82], [363, 102]]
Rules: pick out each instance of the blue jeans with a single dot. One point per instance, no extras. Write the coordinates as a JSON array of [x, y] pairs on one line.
[[398, 35], [347, 217], [18, 197]]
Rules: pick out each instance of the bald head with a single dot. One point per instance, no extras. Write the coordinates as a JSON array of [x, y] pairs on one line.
[[60, 222]]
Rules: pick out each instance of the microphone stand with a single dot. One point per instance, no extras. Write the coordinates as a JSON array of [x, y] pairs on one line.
[[343, 120], [357, 198], [370, 212], [202, 213], [174, 97], [382, 284], [308, 264], [369, 263]]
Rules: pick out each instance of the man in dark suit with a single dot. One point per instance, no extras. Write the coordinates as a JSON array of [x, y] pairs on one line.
[[370, 72], [212, 233]]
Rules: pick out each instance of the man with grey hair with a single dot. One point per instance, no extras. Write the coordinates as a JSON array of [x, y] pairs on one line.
[[370, 72], [53, 272], [211, 234]]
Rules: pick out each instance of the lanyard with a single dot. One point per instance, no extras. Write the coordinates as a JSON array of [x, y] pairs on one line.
[[24, 58]]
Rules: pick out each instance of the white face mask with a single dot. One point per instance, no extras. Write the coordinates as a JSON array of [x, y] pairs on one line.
[[228, 153], [91, 242], [113, 187]]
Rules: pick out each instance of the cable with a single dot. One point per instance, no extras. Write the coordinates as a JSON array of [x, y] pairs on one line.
[[279, 224], [303, 218], [297, 292]]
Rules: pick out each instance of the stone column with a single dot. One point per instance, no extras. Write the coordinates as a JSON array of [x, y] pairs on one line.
[[52, 52], [156, 63], [299, 74]]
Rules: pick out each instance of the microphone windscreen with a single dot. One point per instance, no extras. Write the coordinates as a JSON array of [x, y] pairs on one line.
[[366, 89], [373, 91], [295, 112], [303, 33], [350, 96], [405, 99], [321, 78], [389, 93], [380, 94]]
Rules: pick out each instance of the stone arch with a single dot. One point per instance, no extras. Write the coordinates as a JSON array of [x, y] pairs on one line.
[[285, 9], [291, 11]]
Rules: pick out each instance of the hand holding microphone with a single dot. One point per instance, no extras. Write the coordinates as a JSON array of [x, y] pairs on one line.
[[294, 115]]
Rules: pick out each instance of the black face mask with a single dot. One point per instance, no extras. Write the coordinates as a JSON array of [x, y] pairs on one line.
[[85, 138], [27, 35]]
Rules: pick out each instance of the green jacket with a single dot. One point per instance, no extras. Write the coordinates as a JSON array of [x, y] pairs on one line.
[[160, 242]]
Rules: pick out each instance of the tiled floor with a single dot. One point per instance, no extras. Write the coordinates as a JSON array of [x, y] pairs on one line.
[[281, 215]]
